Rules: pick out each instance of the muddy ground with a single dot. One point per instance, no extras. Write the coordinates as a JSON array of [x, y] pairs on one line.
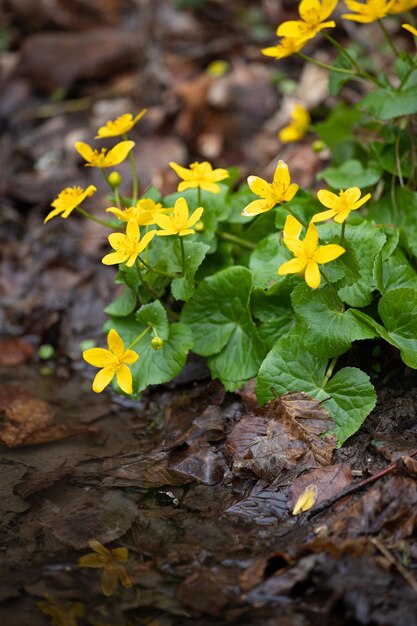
[[208, 525]]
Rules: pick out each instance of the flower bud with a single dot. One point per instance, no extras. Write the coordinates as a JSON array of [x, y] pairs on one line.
[[115, 180], [157, 343], [199, 227], [319, 145]]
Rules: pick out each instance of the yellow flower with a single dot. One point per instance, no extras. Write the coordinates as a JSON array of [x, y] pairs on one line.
[[178, 223], [143, 213], [200, 175], [368, 11], [285, 48], [112, 361], [339, 206], [127, 247], [61, 615], [104, 158], [306, 500], [119, 126], [410, 28], [312, 14], [308, 255], [280, 190], [401, 6], [298, 128], [68, 200], [110, 563]]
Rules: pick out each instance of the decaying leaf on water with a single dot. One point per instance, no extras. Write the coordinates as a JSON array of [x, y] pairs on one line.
[[284, 431], [322, 483]]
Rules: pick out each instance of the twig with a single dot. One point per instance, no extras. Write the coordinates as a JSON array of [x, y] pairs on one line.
[[391, 558]]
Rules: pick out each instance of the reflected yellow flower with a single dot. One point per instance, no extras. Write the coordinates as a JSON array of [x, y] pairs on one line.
[[113, 361], [61, 615], [368, 11], [119, 126], [127, 247], [285, 48], [104, 158], [306, 500], [200, 175], [68, 200], [312, 15], [143, 213], [279, 191], [339, 206], [111, 564], [410, 29], [178, 223], [308, 254], [298, 127]]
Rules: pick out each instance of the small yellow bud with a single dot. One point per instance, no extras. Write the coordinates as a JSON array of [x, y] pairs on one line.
[[218, 68], [319, 145], [115, 180], [199, 227], [157, 343]]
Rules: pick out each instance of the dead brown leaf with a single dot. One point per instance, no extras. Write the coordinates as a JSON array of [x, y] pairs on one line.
[[329, 481], [14, 351]]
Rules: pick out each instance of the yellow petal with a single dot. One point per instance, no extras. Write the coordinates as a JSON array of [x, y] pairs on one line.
[[351, 195], [102, 379], [208, 186], [52, 214], [294, 266], [282, 174], [130, 356], [292, 227], [84, 149], [91, 560], [219, 174], [306, 500], [189, 184], [115, 342], [124, 578], [163, 221], [118, 154], [120, 554], [124, 378], [146, 239], [410, 29], [328, 199], [311, 240], [116, 240], [181, 171], [98, 547], [360, 202], [181, 211], [258, 206], [312, 275], [259, 186], [328, 253], [295, 246], [290, 192], [195, 216], [324, 215], [117, 212], [99, 357], [340, 217], [290, 133], [132, 230], [109, 580], [114, 258]]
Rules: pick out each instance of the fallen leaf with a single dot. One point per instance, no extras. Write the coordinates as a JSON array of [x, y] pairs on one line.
[[328, 482], [14, 351]]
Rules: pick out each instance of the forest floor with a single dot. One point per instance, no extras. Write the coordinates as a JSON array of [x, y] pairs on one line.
[[190, 479]]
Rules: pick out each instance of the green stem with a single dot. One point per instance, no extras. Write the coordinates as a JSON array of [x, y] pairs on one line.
[[182, 255], [291, 212], [237, 240], [133, 165], [147, 287], [351, 60], [398, 160], [329, 371], [198, 196], [96, 219], [342, 233], [152, 269], [117, 198], [332, 289], [139, 337], [388, 38], [340, 70]]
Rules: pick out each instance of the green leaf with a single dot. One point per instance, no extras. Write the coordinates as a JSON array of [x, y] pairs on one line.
[[399, 208], [330, 330], [273, 308], [123, 305], [336, 79], [265, 260], [238, 200], [154, 366], [153, 193], [351, 174], [219, 318], [337, 131], [398, 312], [289, 367], [194, 253], [394, 272], [389, 103]]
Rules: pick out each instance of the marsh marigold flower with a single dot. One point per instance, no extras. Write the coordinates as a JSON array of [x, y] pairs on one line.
[[298, 127], [68, 200], [200, 175], [178, 223], [127, 247], [308, 254], [113, 361], [285, 48], [143, 213], [61, 615], [312, 15], [111, 564], [279, 191], [104, 158], [410, 29], [368, 11], [119, 126], [401, 6], [339, 206]]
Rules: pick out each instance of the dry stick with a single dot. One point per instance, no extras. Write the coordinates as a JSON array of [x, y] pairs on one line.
[[391, 558], [327, 504]]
